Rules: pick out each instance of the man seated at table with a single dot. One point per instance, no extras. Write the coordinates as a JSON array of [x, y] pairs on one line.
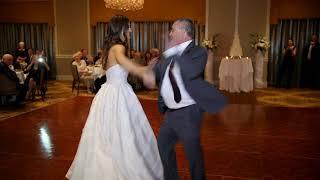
[[21, 55], [90, 76], [9, 80]]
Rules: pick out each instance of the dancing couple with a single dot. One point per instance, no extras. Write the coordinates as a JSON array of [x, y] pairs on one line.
[[117, 142]]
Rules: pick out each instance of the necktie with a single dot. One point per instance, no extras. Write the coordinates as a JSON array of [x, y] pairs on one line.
[[176, 91]]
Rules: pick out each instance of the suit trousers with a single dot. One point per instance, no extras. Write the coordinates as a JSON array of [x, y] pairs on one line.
[[182, 125]]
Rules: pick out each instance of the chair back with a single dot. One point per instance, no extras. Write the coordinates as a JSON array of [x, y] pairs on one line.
[[75, 74], [8, 87]]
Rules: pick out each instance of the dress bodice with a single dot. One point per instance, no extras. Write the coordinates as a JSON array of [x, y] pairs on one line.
[[117, 74]]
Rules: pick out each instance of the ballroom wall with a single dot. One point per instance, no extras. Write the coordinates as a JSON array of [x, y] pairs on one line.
[[27, 11], [72, 32]]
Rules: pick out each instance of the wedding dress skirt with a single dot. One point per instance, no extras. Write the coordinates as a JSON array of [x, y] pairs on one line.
[[117, 142]]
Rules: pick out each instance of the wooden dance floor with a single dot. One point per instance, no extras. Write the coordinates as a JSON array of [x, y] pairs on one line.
[[241, 142]]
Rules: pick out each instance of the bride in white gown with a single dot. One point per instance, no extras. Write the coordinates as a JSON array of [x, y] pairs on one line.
[[117, 142]]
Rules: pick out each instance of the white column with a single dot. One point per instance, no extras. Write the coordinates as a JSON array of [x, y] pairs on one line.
[[207, 19], [89, 30], [236, 49], [236, 24], [55, 26], [72, 33], [268, 22], [265, 70]]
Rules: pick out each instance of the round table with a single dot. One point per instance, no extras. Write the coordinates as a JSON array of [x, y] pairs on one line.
[[236, 75]]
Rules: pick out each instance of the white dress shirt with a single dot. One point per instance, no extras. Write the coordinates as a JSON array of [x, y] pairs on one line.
[[309, 52], [166, 88]]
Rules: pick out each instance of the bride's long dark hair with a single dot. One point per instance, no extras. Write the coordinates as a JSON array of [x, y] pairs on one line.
[[116, 30]]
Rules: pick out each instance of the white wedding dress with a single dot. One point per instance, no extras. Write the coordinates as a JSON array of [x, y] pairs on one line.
[[117, 142]]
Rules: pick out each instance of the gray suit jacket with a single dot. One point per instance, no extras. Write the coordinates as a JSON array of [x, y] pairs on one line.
[[192, 64]]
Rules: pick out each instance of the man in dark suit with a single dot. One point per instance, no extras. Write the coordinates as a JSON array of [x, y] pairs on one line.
[[310, 76], [6, 69], [183, 97], [84, 55]]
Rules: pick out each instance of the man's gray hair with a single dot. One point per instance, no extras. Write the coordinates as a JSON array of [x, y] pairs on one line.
[[7, 56], [188, 26]]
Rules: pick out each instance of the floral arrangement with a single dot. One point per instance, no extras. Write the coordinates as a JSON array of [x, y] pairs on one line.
[[211, 43], [259, 42]]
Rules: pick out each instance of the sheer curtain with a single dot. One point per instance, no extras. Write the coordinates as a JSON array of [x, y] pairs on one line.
[[300, 30], [145, 35], [35, 36]]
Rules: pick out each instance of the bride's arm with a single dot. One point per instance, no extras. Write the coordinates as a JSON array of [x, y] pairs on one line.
[[143, 72], [133, 68]]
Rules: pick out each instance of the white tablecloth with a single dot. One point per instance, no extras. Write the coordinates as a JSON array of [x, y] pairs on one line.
[[21, 76], [236, 75], [98, 71]]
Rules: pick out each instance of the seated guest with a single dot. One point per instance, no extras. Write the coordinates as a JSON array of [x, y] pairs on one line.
[[7, 69], [132, 51], [98, 56], [43, 55], [98, 82], [90, 61], [9, 78], [21, 56], [84, 55], [155, 52], [38, 52], [30, 54], [147, 57], [89, 75], [101, 79], [84, 70], [80, 63], [34, 74], [137, 58], [98, 62], [134, 81], [90, 66]]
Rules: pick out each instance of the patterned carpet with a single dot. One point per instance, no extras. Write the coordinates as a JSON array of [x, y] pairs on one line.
[[299, 98], [57, 91], [61, 90]]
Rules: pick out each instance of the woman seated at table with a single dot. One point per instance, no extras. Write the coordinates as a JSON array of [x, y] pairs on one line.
[[34, 75], [85, 71], [80, 63]]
